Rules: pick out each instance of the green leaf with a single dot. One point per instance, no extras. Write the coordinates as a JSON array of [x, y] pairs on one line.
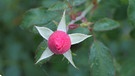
[[79, 30], [101, 62], [131, 12], [58, 6], [132, 33], [77, 2], [13, 70], [48, 3], [37, 16], [127, 66], [42, 46], [105, 24], [75, 72]]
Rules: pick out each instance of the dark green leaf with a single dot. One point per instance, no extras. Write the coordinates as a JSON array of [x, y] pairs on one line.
[[81, 72], [77, 2], [113, 34], [105, 9], [132, 33], [127, 67], [48, 3], [101, 63], [13, 70], [80, 58], [120, 13], [131, 12], [59, 6], [79, 30], [30, 69], [38, 16], [41, 48], [105, 24]]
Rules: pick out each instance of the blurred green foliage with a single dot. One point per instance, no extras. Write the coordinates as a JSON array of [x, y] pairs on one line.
[[18, 45]]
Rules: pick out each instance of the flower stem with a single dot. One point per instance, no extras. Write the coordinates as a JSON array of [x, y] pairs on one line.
[[82, 15]]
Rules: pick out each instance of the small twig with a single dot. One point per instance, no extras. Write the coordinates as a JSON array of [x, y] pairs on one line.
[[69, 5], [90, 7], [82, 15]]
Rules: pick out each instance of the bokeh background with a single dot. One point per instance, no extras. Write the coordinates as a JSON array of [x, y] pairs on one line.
[[18, 46]]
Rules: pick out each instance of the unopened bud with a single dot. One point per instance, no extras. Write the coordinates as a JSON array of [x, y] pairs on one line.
[[73, 16], [73, 26], [59, 42], [90, 29]]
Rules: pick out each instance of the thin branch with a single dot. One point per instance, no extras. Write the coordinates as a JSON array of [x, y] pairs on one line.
[[84, 13]]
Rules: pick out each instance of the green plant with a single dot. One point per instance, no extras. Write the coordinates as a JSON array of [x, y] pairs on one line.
[[100, 18]]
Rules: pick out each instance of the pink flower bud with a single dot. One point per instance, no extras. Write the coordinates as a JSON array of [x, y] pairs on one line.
[[73, 26], [59, 42], [73, 16]]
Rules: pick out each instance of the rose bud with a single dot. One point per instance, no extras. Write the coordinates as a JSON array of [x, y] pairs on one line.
[[73, 26], [73, 16], [59, 42]]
